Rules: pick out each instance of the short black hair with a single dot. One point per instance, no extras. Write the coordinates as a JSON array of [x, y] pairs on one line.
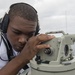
[[23, 10]]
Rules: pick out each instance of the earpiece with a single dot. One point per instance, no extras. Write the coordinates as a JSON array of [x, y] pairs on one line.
[[4, 23], [37, 29]]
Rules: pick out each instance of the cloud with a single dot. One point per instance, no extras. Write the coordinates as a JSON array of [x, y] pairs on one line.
[[56, 15], [2, 12], [6, 3]]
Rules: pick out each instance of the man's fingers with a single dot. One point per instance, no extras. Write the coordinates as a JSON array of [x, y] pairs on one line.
[[44, 37], [42, 46]]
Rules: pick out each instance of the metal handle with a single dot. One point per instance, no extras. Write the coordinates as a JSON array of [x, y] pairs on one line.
[[55, 32]]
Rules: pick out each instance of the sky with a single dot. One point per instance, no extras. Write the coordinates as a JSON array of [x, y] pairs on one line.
[[54, 15]]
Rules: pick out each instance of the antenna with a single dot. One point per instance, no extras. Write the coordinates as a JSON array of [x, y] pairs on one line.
[[66, 20]]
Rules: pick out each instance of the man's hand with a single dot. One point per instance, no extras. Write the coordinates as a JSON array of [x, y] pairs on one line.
[[34, 45]]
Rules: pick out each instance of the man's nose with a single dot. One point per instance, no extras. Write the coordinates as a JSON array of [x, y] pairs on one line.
[[22, 40]]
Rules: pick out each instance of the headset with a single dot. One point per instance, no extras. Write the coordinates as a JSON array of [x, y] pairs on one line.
[[5, 23]]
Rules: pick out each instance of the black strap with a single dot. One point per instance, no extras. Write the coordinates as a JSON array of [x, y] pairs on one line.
[[25, 67], [8, 46]]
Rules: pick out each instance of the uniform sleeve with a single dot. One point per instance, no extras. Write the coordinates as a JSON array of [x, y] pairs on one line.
[[3, 55]]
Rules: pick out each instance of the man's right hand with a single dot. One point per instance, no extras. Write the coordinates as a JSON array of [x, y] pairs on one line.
[[34, 45]]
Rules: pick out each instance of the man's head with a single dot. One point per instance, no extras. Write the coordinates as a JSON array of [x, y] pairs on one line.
[[23, 10], [23, 24]]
